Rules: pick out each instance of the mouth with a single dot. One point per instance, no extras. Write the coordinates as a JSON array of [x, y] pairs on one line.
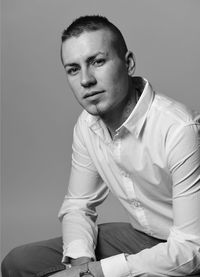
[[93, 93]]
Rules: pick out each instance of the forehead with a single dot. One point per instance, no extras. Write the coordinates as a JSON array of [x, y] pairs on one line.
[[88, 44]]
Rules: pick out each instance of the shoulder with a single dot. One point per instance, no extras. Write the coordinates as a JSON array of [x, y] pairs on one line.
[[170, 120], [173, 111]]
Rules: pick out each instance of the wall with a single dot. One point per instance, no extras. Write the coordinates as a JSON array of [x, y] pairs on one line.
[[0, 134], [39, 110]]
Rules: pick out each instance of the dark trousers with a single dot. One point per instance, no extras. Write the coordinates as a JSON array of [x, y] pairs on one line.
[[44, 258]]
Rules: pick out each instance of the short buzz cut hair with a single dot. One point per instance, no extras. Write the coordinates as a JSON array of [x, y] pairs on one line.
[[91, 23]]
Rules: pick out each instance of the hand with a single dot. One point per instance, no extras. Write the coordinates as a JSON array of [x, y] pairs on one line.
[[80, 261], [70, 272], [74, 271]]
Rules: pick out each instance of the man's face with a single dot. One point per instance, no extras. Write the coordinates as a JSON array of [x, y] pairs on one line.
[[96, 73]]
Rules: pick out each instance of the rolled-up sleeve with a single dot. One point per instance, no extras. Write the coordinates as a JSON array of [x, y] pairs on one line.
[[86, 190], [180, 254]]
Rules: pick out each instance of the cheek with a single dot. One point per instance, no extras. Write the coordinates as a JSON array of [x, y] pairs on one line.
[[74, 86], [117, 74], [109, 79], [119, 80]]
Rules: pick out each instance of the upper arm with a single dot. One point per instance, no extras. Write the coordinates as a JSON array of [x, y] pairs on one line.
[[184, 163], [86, 189]]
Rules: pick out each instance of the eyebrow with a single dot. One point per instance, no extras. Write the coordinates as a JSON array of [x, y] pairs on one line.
[[88, 60]]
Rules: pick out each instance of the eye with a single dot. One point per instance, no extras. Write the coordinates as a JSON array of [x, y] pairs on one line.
[[99, 62], [72, 71]]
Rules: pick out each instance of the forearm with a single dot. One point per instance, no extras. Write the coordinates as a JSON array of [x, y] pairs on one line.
[[179, 256], [79, 228], [79, 237], [74, 271]]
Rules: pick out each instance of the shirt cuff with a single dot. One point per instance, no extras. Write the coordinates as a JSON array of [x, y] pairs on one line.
[[77, 249], [115, 266]]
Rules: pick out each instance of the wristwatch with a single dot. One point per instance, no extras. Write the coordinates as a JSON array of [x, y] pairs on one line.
[[86, 272]]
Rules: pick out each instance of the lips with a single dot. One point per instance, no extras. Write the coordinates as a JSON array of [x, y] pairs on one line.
[[93, 93]]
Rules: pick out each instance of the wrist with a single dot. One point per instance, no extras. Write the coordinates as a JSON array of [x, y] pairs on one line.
[[85, 271], [96, 269], [79, 261]]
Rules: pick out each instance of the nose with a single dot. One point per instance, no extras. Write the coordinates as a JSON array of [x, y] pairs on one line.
[[87, 78]]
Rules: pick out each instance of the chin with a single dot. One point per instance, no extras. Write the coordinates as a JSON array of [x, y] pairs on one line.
[[95, 110], [92, 112]]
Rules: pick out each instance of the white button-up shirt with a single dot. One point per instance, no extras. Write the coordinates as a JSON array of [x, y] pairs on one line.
[[152, 166]]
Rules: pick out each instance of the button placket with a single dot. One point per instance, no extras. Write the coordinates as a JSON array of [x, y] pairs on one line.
[[136, 203], [141, 215], [116, 147], [129, 186]]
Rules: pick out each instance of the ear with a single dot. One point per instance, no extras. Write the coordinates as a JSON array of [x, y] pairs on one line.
[[130, 63]]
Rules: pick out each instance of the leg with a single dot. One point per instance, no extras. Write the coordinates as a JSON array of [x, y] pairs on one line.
[[116, 238], [35, 259], [44, 258]]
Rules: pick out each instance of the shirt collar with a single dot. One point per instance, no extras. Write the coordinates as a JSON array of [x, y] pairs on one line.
[[98, 127], [136, 119], [138, 116]]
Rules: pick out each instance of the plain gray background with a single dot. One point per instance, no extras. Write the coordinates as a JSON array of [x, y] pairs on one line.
[[39, 110]]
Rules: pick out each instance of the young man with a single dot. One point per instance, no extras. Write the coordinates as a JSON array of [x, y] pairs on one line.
[[143, 147]]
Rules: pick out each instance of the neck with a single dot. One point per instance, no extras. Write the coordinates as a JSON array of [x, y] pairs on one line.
[[117, 117]]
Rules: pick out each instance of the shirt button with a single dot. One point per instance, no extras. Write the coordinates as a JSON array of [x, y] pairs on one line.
[[125, 174], [136, 203]]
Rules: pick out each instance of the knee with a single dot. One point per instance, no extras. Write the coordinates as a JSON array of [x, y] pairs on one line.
[[105, 230], [108, 234], [13, 264]]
